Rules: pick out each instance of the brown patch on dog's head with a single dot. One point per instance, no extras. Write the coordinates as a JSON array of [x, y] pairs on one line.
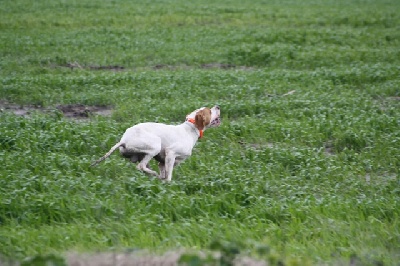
[[202, 118]]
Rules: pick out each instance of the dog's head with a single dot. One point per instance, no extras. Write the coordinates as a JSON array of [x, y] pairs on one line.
[[205, 117]]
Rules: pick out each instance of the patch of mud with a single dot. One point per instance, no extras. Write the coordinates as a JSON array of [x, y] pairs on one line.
[[73, 111], [83, 111], [115, 68], [329, 149], [161, 66], [21, 110], [203, 66], [74, 65], [218, 65], [225, 66]]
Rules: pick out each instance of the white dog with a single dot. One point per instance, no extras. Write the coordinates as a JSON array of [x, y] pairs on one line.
[[168, 144]]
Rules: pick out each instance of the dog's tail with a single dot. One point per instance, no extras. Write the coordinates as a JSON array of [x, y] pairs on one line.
[[116, 146]]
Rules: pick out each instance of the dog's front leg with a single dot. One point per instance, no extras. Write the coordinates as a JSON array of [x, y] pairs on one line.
[[169, 164], [161, 167]]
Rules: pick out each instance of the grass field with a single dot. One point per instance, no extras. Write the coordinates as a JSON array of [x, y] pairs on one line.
[[313, 177]]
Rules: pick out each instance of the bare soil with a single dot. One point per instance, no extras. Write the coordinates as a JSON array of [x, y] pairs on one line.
[[73, 111], [218, 65], [84, 111], [203, 66], [74, 65]]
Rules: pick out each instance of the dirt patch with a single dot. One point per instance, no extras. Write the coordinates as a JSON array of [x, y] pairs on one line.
[[329, 148], [203, 66], [84, 111], [225, 66], [114, 68], [218, 65], [73, 111], [161, 66], [169, 67], [21, 110], [74, 65]]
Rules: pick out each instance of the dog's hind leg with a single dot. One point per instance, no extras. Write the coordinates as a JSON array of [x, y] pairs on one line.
[[151, 151], [144, 165], [136, 157], [144, 149]]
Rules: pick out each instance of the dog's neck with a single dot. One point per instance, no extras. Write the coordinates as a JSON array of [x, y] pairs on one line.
[[191, 122]]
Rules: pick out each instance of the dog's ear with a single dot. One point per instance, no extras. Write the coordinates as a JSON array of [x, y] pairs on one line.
[[202, 118]]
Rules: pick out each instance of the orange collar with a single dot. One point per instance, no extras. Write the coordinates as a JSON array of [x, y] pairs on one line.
[[191, 120]]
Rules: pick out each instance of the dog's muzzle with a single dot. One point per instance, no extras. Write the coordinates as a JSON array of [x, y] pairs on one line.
[[216, 122]]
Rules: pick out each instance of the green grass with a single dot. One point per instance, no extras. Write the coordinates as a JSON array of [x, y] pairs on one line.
[[313, 175]]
